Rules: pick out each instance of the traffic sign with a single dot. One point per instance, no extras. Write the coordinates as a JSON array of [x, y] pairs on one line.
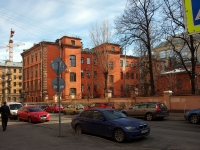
[[192, 16], [58, 84], [58, 65]]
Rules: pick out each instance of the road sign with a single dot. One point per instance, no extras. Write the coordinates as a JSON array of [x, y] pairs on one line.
[[58, 65], [192, 16], [58, 84]]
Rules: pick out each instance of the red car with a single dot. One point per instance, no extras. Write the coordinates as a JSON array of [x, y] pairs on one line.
[[32, 114], [100, 105], [54, 108]]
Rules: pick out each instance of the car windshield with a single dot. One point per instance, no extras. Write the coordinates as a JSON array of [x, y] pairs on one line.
[[34, 109], [113, 114], [15, 106]]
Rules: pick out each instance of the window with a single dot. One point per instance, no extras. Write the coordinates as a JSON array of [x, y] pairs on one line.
[[73, 91], [14, 91], [97, 115], [20, 84], [82, 60], [111, 78], [127, 75], [111, 65], [121, 75], [88, 60], [95, 88], [72, 61], [88, 74], [126, 63], [20, 70], [14, 98], [95, 61], [72, 76], [3, 69], [15, 84], [132, 75], [14, 70], [95, 74], [121, 63], [113, 48], [82, 87], [121, 87], [15, 77], [72, 42], [132, 64], [88, 87], [162, 54], [20, 77], [35, 57], [137, 76], [179, 84], [82, 74]]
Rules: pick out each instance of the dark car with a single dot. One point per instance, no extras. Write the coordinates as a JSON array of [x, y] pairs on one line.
[[147, 110], [100, 105], [193, 116], [109, 123]]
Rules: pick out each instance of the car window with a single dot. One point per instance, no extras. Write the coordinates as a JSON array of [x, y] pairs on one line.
[[151, 106], [98, 105], [92, 105], [87, 114], [162, 105], [108, 104], [143, 106], [80, 106], [34, 109], [15, 106], [97, 115], [135, 106], [113, 114]]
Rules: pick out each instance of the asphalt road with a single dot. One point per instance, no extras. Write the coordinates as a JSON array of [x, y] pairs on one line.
[[169, 134]]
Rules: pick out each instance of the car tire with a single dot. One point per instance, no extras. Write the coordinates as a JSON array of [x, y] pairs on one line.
[[78, 129], [194, 119], [29, 120], [119, 135], [18, 118], [149, 117]]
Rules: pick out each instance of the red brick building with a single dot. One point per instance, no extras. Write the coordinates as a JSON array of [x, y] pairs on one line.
[[85, 73]]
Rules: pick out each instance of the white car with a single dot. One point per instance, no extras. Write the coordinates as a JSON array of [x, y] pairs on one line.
[[14, 106]]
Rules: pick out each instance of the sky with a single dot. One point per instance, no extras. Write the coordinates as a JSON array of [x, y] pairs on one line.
[[34, 21]]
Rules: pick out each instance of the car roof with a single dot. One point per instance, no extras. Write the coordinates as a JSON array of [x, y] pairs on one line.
[[31, 106], [100, 109], [13, 103]]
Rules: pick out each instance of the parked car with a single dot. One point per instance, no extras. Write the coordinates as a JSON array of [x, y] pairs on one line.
[[73, 109], [193, 115], [54, 108], [32, 114], [147, 110], [100, 105], [14, 106], [109, 123], [42, 106]]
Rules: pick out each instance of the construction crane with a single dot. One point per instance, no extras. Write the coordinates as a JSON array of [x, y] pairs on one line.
[[11, 45]]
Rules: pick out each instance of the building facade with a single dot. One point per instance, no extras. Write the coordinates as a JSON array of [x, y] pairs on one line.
[[10, 81], [85, 74]]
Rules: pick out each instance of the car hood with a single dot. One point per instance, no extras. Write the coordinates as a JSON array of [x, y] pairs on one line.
[[194, 110], [128, 121]]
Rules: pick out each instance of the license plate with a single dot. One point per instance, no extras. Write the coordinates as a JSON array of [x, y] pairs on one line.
[[43, 118], [144, 131]]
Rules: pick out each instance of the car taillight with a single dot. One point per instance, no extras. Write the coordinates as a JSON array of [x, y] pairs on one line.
[[158, 108]]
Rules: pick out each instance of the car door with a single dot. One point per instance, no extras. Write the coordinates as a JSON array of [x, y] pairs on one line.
[[141, 110], [132, 111], [99, 125], [86, 121]]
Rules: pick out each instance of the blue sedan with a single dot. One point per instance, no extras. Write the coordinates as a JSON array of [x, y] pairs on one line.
[[193, 116], [109, 123]]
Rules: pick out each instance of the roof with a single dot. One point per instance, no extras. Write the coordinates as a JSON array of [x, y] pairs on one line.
[[11, 64]]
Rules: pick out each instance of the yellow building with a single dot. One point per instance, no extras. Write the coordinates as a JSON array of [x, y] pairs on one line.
[[10, 81]]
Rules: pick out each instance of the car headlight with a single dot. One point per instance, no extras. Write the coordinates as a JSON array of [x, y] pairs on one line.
[[130, 128]]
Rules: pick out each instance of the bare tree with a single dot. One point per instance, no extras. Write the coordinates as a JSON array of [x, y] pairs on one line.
[[137, 25], [101, 38], [178, 40]]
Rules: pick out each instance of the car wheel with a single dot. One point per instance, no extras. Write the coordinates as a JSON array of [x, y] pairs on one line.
[[194, 119], [149, 117], [119, 135], [18, 118], [78, 129], [29, 120]]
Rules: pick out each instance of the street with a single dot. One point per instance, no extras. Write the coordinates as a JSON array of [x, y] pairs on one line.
[[168, 134]]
